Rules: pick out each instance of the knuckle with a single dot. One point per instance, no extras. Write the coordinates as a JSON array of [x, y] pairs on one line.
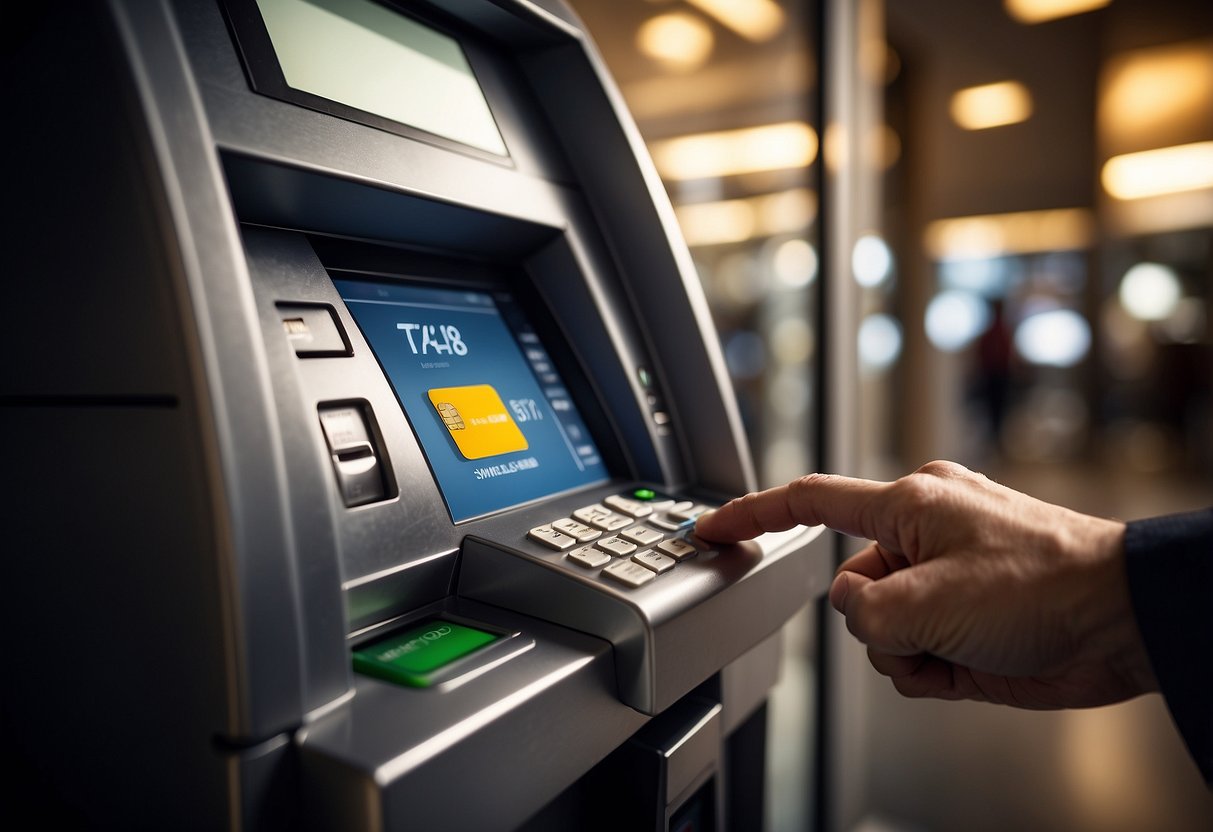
[[747, 507], [943, 469], [802, 488], [919, 491]]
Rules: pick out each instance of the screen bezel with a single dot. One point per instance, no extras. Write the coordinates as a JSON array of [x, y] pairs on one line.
[[265, 76], [342, 262]]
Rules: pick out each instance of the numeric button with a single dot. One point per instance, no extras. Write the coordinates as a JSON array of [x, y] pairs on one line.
[[589, 557], [549, 537], [629, 573], [642, 535], [654, 560], [601, 517], [686, 511], [616, 546], [574, 529], [677, 548], [632, 508]]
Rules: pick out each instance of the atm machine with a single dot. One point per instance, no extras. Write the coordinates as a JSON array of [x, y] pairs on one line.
[[359, 398]]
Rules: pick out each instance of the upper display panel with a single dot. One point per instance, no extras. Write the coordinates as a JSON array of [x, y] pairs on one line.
[[369, 57], [493, 416]]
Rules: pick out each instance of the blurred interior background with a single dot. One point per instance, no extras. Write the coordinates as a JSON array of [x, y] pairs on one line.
[[1004, 210]]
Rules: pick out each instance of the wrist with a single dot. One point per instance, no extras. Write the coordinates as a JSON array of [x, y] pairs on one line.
[[1108, 630]]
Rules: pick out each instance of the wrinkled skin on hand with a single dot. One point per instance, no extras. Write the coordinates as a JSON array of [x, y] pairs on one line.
[[969, 590]]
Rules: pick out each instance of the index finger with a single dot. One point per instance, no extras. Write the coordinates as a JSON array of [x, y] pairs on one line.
[[844, 504]]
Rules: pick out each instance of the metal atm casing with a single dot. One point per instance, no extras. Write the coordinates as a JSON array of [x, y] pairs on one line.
[[190, 581]]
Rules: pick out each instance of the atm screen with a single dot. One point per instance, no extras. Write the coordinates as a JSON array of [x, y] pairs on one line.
[[366, 56], [491, 412]]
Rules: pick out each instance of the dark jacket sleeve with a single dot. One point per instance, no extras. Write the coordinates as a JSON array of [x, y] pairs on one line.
[[1170, 568]]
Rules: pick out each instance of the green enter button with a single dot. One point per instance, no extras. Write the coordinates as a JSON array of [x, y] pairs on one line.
[[412, 657]]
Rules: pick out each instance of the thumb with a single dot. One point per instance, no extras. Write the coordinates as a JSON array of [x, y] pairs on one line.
[[875, 611]]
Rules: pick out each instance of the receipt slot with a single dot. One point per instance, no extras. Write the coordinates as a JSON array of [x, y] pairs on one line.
[[366, 398]]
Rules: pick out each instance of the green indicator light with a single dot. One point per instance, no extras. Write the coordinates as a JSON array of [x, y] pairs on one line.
[[410, 657], [646, 380], [644, 494]]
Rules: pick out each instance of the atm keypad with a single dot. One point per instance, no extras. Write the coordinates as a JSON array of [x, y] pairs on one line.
[[629, 573], [631, 553]]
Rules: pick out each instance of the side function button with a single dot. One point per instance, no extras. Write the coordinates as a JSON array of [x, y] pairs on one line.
[[580, 531], [616, 546], [589, 557], [632, 508], [642, 535], [629, 573], [655, 561], [551, 538], [677, 548], [601, 517]]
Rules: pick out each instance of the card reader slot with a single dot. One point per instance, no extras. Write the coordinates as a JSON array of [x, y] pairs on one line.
[[349, 436]]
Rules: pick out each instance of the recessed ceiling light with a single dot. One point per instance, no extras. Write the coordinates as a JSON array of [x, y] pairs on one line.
[[1039, 11], [991, 105]]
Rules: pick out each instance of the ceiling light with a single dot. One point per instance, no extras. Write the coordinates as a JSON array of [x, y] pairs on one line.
[[737, 220], [1054, 338], [1161, 90], [1022, 232], [783, 146], [1167, 170], [879, 339], [955, 318], [677, 40], [1038, 11], [1150, 291], [755, 20], [991, 105]]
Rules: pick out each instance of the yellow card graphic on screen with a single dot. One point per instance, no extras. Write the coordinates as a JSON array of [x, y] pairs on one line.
[[478, 420]]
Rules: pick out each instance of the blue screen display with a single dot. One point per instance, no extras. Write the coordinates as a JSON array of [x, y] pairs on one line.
[[491, 413]]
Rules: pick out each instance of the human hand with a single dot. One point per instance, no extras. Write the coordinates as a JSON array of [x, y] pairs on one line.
[[969, 590]]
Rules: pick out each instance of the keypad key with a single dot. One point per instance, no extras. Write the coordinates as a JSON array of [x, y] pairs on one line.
[[629, 573], [601, 517], [632, 508], [589, 557], [688, 513], [616, 546], [587, 514], [654, 560], [642, 535], [663, 521], [551, 538], [677, 548], [580, 531]]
